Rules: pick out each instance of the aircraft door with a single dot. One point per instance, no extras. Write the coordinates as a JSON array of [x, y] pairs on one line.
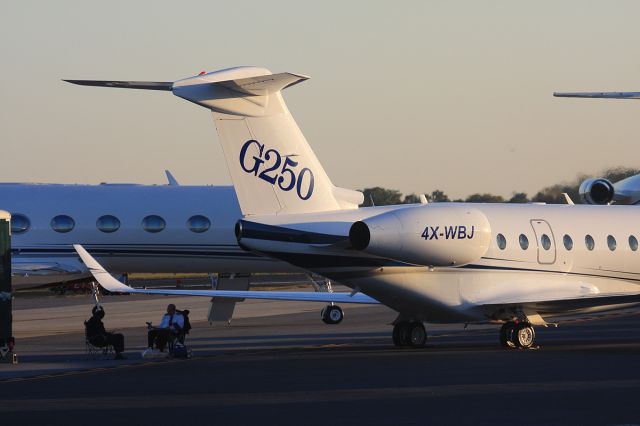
[[545, 241]]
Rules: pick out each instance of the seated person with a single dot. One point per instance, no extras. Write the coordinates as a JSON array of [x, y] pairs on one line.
[[98, 336], [172, 324]]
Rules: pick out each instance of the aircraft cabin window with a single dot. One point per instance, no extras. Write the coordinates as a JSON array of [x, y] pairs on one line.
[[153, 223], [633, 242], [524, 242], [62, 223], [502, 241], [198, 223], [611, 242], [568, 242], [546, 241], [19, 223], [108, 223], [588, 241]]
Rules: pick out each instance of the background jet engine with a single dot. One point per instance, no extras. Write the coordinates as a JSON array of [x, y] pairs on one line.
[[597, 191], [426, 235]]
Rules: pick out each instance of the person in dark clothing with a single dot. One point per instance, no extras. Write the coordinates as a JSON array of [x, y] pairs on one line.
[[100, 337]]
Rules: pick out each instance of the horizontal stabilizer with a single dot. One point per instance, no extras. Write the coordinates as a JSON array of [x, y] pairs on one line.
[[145, 85], [108, 282], [606, 95]]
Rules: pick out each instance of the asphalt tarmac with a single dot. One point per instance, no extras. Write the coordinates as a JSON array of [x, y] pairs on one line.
[[293, 369]]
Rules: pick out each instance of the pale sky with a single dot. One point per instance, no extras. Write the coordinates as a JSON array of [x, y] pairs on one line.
[[415, 95]]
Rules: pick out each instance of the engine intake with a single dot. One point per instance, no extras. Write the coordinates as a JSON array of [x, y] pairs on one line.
[[597, 191]]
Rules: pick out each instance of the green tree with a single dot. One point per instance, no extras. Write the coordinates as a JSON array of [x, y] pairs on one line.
[[484, 198], [438, 196], [411, 199], [553, 194], [519, 197], [616, 174], [381, 196]]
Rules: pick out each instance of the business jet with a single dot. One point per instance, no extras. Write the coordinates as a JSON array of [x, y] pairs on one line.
[[516, 265], [600, 190], [130, 228]]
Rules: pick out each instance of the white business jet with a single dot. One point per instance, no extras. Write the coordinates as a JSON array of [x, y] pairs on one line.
[[601, 190], [519, 265], [129, 228]]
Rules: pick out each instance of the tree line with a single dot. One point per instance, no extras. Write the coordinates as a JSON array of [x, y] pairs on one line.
[[551, 194]]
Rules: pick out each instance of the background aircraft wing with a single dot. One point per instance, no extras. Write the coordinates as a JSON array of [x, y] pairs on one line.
[[608, 95], [43, 268], [108, 282]]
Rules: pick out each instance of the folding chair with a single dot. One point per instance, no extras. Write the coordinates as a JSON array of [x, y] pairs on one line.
[[96, 349]]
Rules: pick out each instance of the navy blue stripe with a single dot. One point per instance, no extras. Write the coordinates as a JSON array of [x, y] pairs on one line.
[[506, 268], [259, 231]]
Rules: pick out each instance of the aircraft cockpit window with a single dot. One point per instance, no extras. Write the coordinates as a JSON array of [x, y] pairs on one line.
[[546, 241], [633, 242], [588, 241], [19, 223], [524, 242], [502, 241], [108, 223], [62, 223], [198, 223], [153, 223], [568, 242], [611, 242]]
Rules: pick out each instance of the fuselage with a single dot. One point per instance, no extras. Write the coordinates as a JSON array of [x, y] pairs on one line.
[[187, 229], [535, 253]]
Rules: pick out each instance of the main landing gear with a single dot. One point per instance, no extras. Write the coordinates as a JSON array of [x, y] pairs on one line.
[[409, 333], [332, 314], [517, 335]]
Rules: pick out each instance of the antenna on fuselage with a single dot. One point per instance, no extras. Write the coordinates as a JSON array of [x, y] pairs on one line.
[[171, 179]]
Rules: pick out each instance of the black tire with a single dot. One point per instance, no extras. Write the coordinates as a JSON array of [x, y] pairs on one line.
[[507, 335], [332, 314], [401, 334], [417, 335], [524, 335]]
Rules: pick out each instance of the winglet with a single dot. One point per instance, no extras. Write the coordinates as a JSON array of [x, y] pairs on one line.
[[105, 279]]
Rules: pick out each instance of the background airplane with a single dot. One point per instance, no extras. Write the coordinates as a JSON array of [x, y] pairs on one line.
[[599, 190], [130, 228]]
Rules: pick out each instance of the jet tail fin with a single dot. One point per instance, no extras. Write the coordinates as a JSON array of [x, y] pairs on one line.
[[273, 168]]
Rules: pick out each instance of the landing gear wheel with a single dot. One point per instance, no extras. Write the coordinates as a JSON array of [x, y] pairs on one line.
[[507, 335], [524, 335], [417, 335], [402, 333], [332, 314]]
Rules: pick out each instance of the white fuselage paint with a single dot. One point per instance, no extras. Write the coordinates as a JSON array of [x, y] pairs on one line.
[[454, 294], [130, 249]]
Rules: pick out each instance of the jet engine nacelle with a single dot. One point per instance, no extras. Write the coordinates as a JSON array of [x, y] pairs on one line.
[[427, 235], [597, 191]]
